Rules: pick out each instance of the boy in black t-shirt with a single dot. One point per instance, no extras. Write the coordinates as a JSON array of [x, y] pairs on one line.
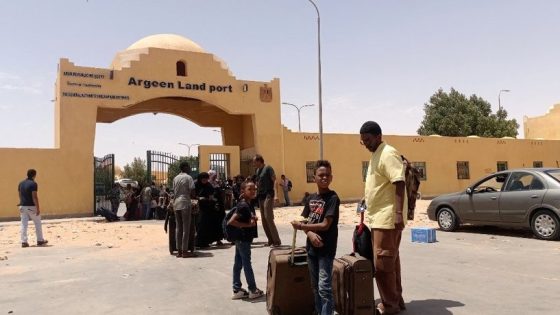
[[245, 219], [322, 211]]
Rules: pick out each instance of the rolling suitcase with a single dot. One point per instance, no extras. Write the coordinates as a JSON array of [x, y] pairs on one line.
[[288, 286], [353, 285]]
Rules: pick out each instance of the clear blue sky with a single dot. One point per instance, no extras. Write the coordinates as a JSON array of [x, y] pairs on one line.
[[382, 60]]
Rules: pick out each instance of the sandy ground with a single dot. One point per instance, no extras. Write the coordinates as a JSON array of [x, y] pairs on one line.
[[348, 214], [133, 235], [96, 267]]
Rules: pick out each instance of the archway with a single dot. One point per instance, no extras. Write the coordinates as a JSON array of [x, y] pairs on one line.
[[145, 78]]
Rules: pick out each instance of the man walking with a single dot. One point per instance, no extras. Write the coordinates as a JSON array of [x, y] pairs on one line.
[[386, 214], [183, 187], [266, 196], [29, 208]]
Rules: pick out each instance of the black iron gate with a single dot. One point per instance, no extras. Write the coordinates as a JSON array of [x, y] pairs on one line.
[[103, 179], [220, 163], [163, 166]]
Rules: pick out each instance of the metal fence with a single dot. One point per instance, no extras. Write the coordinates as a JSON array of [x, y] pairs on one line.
[[103, 179], [219, 162], [163, 166]]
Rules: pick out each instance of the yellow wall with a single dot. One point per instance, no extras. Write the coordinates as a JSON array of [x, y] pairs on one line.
[[543, 127], [440, 154], [64, 188]]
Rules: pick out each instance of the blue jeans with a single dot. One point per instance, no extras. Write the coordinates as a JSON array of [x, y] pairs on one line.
[[287, 197], [243, 260], [320, 270]]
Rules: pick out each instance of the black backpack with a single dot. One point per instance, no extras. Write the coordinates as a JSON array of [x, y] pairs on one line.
[[231, 233], [361, 240]]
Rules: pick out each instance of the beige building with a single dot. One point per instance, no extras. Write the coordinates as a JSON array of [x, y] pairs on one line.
[[171, 74], [543, 127]]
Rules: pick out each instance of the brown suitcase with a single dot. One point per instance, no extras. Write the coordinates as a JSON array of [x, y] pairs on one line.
[[288, 286], [353, 285]]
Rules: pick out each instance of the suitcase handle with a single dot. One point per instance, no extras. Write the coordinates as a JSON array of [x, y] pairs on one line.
[[293, 247]]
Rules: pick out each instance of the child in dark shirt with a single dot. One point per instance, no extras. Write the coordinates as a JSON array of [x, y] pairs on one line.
[[245, 219], [321, 228]]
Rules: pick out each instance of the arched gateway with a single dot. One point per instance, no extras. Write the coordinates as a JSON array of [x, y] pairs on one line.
[[158, 74]]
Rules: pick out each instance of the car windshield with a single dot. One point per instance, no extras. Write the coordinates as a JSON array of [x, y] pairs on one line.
[[554, 174]]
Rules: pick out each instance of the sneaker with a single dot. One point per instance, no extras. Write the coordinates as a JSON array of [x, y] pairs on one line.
[[256, 294], [240, 294], [25, 244], [41, 243]]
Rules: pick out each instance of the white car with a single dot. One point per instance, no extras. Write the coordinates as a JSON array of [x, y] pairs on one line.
[[123, 182]]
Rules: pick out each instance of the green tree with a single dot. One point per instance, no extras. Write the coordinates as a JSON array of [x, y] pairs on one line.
[[136, 170], [174, 170], [453, 114]]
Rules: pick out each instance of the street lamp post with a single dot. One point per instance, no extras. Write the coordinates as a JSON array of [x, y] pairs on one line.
[[319, 79], [188, 146], [499, 100], [298, 112]]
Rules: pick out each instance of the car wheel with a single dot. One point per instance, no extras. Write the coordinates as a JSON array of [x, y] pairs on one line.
[[447, 220], [545, 225]]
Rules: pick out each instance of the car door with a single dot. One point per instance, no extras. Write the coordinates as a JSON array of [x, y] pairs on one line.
[[523, 192], [482, 203]]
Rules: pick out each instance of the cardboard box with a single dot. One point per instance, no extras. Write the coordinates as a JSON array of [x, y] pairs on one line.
[[423, 235]]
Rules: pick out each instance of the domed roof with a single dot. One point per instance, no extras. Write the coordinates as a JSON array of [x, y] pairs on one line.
[[167, 41]]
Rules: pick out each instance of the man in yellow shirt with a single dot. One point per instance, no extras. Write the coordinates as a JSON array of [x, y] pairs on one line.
[[386, 214]]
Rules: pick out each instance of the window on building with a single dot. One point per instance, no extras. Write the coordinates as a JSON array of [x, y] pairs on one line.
[[309, 171], [181, 69], [463, 170], [365, 165], [537, 164], [421, 167], [501, 166]]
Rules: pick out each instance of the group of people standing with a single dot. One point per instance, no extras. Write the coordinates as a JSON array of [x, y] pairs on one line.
[[200, 205], [205, 200], [142, 203]]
